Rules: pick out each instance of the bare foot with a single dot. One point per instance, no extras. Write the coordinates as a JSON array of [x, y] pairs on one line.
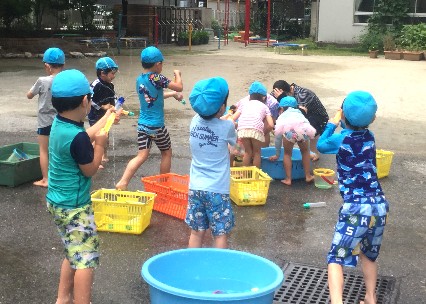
[[121, 186], [314, 156], [41, 183], [367, 300], [286, 181], [309, 179]]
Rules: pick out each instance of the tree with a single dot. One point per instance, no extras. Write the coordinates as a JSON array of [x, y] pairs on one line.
[[11, 10], [87, 10], [39, 7], [58, 6]]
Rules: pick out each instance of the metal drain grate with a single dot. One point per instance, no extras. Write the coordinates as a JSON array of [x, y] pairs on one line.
[[308, 285]]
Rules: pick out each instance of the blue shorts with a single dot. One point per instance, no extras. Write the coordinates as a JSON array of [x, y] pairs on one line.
[[209, 210], [44, 131], [360, 227], [79, 235]]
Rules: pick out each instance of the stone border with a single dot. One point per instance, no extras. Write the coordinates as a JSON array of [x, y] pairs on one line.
[[71, 54]]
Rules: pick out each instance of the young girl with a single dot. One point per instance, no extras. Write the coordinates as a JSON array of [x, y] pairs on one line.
[[294, 127], [254, 120]]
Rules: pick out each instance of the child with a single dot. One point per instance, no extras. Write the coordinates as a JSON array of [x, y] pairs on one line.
[[151, 128], [295, 128], [362, 217], [103, 94], [73, 160], [54, 60], [316, 112], [251, 115], [209, 205]]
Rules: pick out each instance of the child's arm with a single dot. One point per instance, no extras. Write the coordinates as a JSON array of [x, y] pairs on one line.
[[236, 115], [93, 130], [278, 145], [30, 95], [176, 84], [177, 95], [269, 125], [90, 169], [329, 143]]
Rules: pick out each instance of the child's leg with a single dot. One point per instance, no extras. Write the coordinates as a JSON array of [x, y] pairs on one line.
[[335, 283], [66, 283], [267, 139], [369, 269], [288, 151], [313, 147], [196, 239], [256, 146], [306, 160], [221, 241], [43, 141], [131, 169], [166, 161], [247, 143], [83, 280]]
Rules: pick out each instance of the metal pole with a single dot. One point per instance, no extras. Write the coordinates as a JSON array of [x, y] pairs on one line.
[[190, 36], [218, 47], [247, 24], [156, 30], [268, 29], [120, 17]]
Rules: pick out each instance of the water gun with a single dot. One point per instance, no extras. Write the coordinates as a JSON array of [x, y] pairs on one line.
[[182, 101], [111, 118], [128, 113]]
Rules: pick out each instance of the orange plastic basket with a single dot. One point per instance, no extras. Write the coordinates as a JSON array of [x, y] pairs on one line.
[[172, 193]]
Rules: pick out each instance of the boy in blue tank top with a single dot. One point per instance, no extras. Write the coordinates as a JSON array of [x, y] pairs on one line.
[[73, 160], [362, 218], [150, 87], [209, 204]]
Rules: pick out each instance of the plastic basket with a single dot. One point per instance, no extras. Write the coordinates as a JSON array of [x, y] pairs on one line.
[[383, 162], [122, 211], [249, 186], [172, 193]]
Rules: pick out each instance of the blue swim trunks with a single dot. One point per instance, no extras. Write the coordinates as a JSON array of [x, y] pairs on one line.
[[79, 235], [360, 227], [209, 210]]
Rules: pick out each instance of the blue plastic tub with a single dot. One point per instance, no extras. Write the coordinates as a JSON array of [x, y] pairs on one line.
[[275, 169], [211, 276]]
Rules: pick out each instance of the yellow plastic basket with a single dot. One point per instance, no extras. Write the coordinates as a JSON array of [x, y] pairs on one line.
[[383, 162], [249, 186], [122, 211]]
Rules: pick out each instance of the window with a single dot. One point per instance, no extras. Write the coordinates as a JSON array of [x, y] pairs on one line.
[[365, 8]]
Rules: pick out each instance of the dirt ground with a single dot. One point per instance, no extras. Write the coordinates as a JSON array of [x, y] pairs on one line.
[[282, 230]]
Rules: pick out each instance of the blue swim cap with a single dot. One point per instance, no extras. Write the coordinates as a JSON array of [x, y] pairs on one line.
[[288, 101], [70, 83], [208, 95], [54, 56], [105, 63], [359, 108], [257, 87], [151, 55]]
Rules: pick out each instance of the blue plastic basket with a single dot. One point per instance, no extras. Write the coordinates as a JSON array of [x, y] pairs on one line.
[[275, 169]]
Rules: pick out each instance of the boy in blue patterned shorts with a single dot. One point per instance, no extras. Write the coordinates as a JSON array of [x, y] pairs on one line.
[[362, 217], [209, 205], [72, 161]]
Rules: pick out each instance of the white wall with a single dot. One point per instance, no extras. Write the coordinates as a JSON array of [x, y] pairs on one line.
[[336, 22]]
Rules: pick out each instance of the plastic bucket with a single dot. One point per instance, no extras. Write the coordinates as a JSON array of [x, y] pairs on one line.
[[324, 178], [211, 276]]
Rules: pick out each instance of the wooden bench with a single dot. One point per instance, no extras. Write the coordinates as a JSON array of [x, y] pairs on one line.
[[281, 45], [131, 41]]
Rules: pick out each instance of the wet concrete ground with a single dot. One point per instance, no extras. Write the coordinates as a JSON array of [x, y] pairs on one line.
[[281, 230]]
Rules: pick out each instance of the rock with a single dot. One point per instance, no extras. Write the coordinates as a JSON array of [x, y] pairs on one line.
[[77, 55], [28, 55], [14, 55], [98, 54]]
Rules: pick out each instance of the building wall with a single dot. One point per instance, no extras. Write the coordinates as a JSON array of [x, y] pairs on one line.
[[336, 22]]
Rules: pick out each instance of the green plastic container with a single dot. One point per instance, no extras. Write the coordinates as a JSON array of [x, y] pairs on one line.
[[14, 172]]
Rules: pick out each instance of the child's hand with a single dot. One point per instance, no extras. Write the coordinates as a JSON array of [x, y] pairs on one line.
[[176, 73], [337, 117], [273, 158], [178, 96], [277, 92], [101, 138]]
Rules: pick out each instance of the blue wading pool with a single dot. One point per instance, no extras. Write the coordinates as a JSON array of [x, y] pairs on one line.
[[211, 276], [275, 169]]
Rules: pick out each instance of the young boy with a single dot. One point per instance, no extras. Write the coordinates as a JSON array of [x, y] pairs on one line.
[[73, 161], [209, 205], [54, 60], [104, 96], [150, 85], [362, 218]]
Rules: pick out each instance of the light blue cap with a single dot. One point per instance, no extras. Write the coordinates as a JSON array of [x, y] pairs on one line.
[[257, 87], [70, 83], [359, 108], [288, 101], [105, 63], [151, 55], [208, 95], [54, 55]]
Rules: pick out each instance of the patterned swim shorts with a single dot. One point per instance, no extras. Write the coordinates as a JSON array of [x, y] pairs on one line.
[[79, 235], [209, 210]]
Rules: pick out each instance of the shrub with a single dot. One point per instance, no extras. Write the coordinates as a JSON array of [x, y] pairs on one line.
[[413, 37]]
